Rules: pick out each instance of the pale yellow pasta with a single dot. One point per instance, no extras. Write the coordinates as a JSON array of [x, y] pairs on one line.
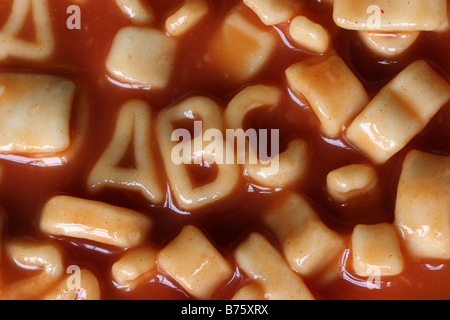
[[273, 12], [11, 45], [331, 89], [262, 263], [388, 44], [249, 292], [187, 196], [240, 49], [133, 126], [187, 17], [89, 288], [386, 15], [376, 250], [308, 245], [93, 220], [35, 112], [353, 180], [44, 259], [135, 265], [282, 169], [142, 57], [422, 208], [195, 263], [136, 10], [309, 35], [400, 111]]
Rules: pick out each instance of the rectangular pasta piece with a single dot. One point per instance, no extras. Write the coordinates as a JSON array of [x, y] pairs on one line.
[[93, 220], [376, 250], [142, 57], [422, 211], [262, 263], [35, 113], [334, 93], [387, 15], [307, 243], [195, 263], [400, 111]]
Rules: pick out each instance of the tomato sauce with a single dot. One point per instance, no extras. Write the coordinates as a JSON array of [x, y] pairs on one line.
[[80, 55]]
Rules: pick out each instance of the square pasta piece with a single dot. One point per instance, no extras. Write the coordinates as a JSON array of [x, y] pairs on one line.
[[307, 243], [142, 57], [334, 93], [422, 211], [376, 250], [240, 49], [262, 263], [387, 15], [35, 112], [273, 12], [400, 111], [195, 263]]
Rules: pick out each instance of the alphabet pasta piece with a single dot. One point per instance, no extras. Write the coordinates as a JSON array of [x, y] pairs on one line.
[[44, 258], [136, 10], [187, 17], [249, 292], [87, 287], [282, 169], [240, 49], [208, 113], [142, 57], [273, 12], [195, 263], [35, 113], [133, 127], [388, 44], [307, 243], [308, 34], [422, 211], [92, 220], [350, 181], [376, 250], [332, 90], [262, 263], [387, 15], [12, 45], [133, 265], [400, 111]]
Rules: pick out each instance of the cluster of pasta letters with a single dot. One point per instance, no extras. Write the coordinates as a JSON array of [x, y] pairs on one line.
[[142, 56]]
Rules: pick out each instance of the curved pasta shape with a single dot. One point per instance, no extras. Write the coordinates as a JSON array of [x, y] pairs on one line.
[[45, 258], [283, 169], [15, 47], [187, 196], [133, 125]]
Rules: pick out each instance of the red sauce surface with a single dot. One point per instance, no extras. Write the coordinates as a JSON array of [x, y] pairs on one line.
[[80, 55]]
